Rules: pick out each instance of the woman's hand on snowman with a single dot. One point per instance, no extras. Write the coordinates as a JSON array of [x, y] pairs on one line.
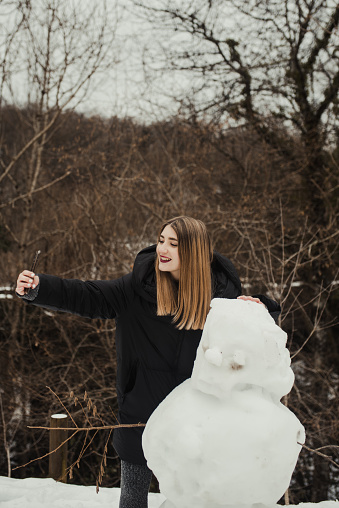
[[26, 280], [250, 299]]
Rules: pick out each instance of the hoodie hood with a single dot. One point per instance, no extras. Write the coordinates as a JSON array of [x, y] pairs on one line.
[[143, 275], [224, 273], [225, 280]]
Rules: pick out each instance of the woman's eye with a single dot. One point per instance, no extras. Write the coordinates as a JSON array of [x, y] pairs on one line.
[[171, 244]]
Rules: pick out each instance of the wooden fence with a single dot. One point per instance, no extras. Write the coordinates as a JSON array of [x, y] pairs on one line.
[[58, 448]]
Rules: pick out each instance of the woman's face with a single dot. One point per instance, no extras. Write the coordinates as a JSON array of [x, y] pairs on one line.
[[167, 251]]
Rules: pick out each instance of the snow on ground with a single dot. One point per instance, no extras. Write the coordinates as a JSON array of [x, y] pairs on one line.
[[47, 493]]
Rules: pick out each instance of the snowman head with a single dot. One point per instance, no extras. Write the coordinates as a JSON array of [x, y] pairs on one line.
[[241, 348]]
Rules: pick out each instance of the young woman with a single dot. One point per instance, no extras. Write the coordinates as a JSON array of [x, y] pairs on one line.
[[160, 310]]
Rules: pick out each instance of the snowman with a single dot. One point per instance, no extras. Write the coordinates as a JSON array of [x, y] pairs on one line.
[[223, 438]]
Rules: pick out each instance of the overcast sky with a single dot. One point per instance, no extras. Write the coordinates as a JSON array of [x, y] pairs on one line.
[[132, 87], [136, 82], [124, 89]]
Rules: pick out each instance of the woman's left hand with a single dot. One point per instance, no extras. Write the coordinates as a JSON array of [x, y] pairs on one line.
[[250, 299]]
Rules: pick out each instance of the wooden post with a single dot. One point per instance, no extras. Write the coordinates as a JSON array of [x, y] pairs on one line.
[[58, 459]]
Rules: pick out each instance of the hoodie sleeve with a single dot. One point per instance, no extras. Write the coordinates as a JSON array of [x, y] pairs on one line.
[[92, 299]]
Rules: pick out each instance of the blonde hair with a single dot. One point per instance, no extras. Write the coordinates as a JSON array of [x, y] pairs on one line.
[[188, 303]]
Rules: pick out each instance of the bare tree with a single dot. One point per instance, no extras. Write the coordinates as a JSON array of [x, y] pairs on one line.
[[255, 60], [52, 54], [258, 63], [50, 61]]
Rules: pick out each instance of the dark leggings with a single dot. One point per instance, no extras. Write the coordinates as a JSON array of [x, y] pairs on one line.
[[135, 483]]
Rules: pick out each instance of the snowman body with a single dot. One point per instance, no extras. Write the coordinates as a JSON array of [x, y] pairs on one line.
[[222, 438]]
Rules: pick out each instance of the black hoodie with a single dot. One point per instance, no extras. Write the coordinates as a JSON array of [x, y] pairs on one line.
[[153, 356]]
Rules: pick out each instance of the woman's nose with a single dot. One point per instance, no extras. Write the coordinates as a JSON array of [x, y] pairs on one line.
[[163, 248]]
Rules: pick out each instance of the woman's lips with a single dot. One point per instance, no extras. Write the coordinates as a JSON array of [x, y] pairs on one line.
[[164, 260]]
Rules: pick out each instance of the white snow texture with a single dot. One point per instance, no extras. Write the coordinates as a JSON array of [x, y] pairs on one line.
[[223, 438], [47, 493]]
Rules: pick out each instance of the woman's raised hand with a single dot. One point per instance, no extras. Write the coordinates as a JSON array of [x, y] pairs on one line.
[[249, 299], [26, 280]]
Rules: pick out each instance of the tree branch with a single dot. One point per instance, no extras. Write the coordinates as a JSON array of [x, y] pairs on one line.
[[29, 144]]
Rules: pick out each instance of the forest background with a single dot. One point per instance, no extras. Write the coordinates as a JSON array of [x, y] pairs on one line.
[[244, 136]]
